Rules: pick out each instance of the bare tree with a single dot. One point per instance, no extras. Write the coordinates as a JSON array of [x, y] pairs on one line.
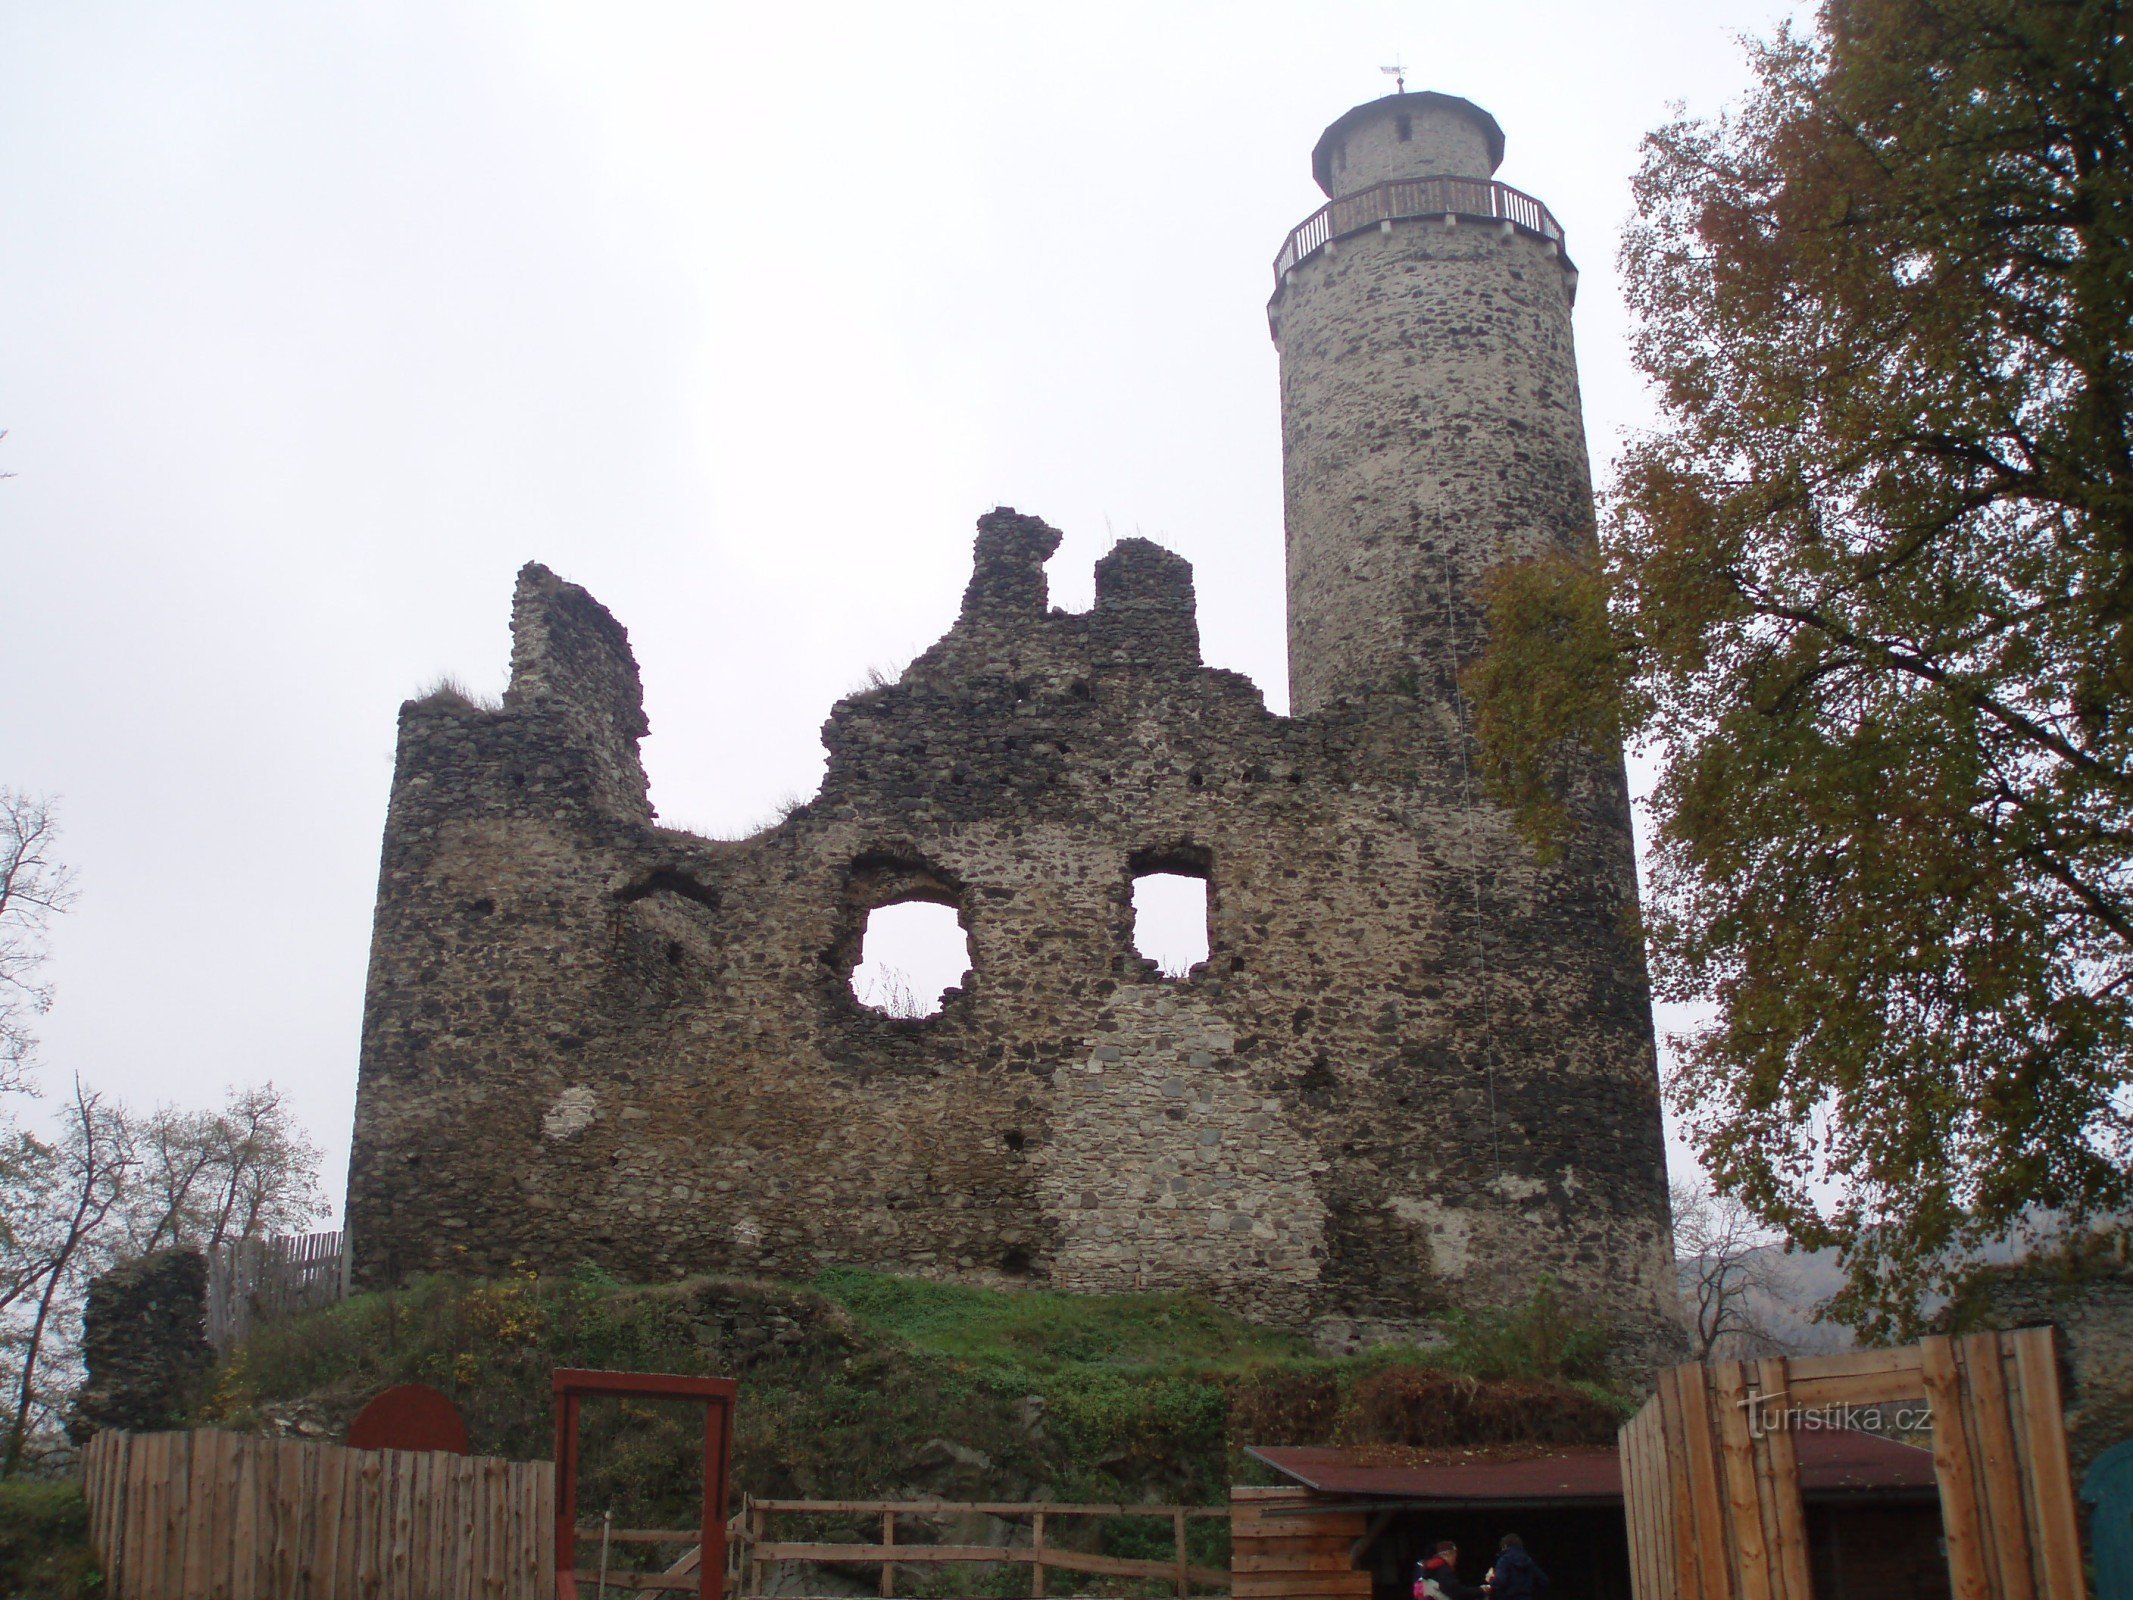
[[1732, 1275], [177, 1150], [107, 1185], [212, 1178], [35, 886], [93, 1160], [29, 1171]]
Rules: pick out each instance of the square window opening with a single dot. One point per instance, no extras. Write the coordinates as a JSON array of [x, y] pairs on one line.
[[912, 954], [1170, 921]]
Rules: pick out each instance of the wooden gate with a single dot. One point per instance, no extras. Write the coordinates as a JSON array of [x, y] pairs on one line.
[[1711, 1476]]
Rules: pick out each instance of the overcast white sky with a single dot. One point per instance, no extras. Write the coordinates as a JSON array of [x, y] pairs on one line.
[[317, 320]]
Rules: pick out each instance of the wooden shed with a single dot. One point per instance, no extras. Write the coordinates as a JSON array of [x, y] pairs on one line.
[[1355, 1521]]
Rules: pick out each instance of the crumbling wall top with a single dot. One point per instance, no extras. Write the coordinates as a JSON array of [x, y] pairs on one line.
[[1146, 612], [571, 663], [1008, 575]]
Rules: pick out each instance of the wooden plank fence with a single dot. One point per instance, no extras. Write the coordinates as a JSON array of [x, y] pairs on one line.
[[1284, 1545], [1041, 1555], [1711, 1478], [256, 1278], [188, 1516]]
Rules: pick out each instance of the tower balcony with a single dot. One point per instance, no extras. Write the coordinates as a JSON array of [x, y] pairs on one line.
[[1451, 198]]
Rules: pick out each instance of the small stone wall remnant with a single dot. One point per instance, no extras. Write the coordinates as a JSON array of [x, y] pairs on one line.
[[144, 1342]]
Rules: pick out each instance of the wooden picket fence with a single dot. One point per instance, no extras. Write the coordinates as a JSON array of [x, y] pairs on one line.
[[175, 1516], [258, 1278]]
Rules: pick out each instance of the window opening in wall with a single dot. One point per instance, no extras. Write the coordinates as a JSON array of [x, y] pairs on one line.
[[911, 954], [1170, 921], [1405, 126]]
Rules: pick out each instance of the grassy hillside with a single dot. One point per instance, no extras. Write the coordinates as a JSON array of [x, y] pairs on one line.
[[861, 1385], [44, 1543]]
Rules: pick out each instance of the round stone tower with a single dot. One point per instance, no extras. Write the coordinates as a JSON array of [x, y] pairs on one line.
[[1431, 431], [1429, 398]]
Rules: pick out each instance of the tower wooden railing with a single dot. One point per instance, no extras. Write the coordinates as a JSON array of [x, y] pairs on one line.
[[1416, 197]]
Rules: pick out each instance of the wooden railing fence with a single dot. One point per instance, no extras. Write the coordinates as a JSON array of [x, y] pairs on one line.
[[257, 1278], [178, 1515], [756, 1551], [1415, 197]]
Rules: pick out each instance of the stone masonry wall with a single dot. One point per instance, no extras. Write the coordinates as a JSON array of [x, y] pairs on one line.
[[1431, 429], [1414, 1074], [143, 1344], [1445, 137], [2091, 1306]]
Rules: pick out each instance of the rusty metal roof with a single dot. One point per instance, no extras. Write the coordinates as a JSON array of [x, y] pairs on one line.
[[1831, 1463], [1843, 1461], [1450, 1476]]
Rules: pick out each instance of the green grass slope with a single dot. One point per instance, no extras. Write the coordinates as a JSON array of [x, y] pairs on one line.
[[861, 1385], [44, 1543]]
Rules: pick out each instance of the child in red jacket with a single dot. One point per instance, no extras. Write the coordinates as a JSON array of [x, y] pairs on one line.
[[1439, 1577]]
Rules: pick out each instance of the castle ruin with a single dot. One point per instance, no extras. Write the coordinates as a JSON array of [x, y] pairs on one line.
[[1414, 1074]]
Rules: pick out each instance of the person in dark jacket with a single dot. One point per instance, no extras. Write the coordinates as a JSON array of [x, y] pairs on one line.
[[1442, 1569], [1516, 1576]]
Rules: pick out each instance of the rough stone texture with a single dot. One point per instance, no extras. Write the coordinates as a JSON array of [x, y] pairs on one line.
[[1415, 1072], [1445, 137], [2093, 1312], [144, 1343], [1431, 429], [1178, 1167]]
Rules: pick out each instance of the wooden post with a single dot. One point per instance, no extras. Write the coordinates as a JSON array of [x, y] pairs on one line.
[[711, 1532], [1036, 1545], [566, 1494], [1968, 1570], [758, 1527], [1178, 1528], [2044, 1455], [888, 1568]]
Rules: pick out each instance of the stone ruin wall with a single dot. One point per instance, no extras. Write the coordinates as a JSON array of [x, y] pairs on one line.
[[1414, 1075]]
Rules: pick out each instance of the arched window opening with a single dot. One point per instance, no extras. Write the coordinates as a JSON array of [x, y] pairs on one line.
[[1170, 921], [911, 954]]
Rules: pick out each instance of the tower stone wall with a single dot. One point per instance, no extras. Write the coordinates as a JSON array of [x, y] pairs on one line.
[[1431, 429], [1414, 1075], [1406, 136]]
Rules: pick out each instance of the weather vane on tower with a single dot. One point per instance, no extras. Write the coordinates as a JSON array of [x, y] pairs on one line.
[[1398, 73]]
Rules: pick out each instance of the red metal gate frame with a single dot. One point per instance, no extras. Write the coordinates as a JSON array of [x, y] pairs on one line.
[[573, 1384]]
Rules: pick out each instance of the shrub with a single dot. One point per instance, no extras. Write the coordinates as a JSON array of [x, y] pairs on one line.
[[44, 1542], [1541, 1339]]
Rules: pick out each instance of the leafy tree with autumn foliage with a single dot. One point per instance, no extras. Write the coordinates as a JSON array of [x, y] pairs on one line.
[[1865, 593]]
